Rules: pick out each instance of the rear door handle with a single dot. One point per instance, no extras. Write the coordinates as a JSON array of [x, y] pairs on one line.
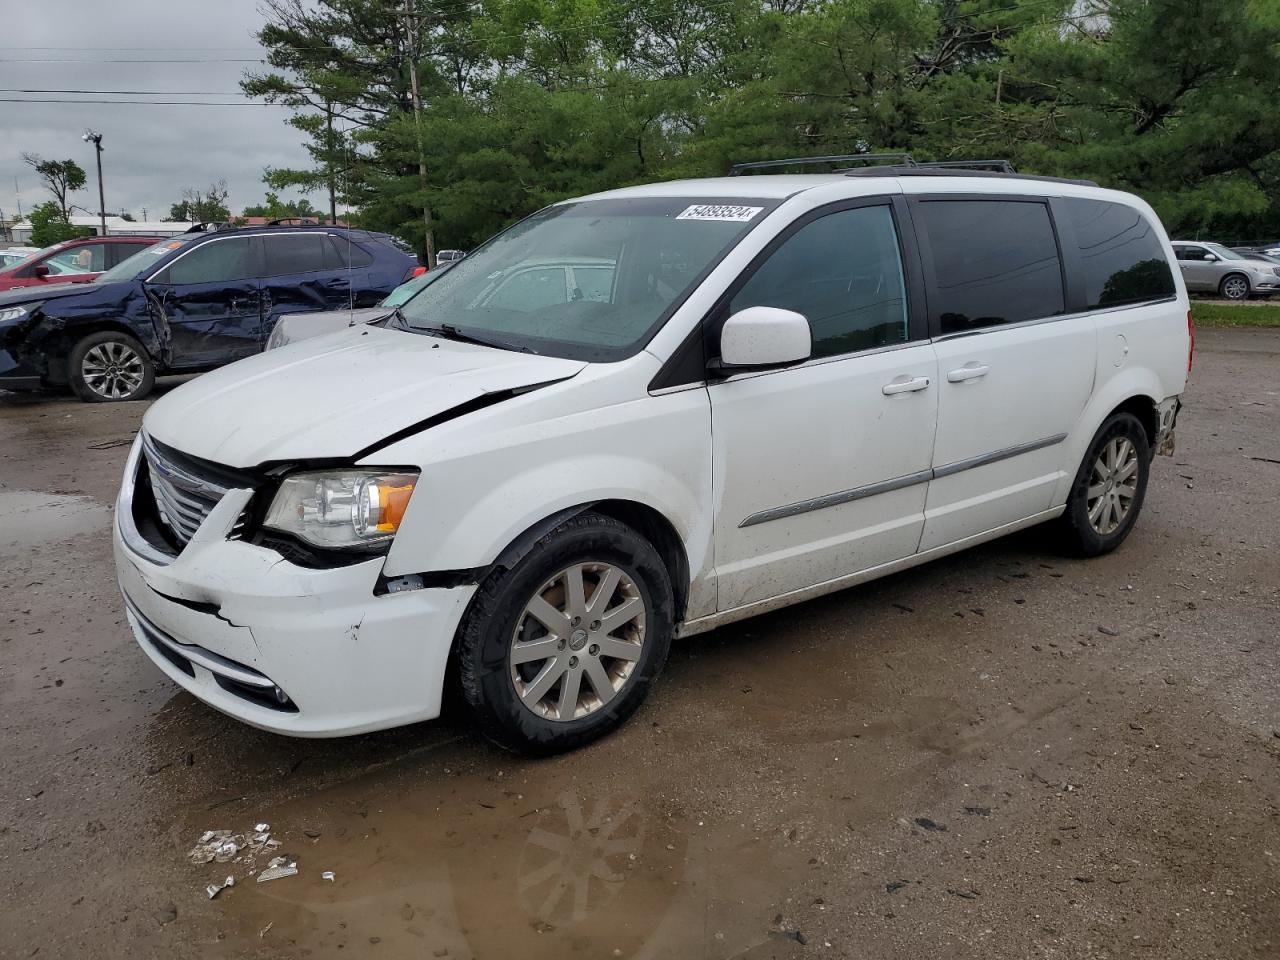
[[905, 386], [970, 371]]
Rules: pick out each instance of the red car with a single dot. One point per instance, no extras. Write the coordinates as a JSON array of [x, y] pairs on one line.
[[72, 261]]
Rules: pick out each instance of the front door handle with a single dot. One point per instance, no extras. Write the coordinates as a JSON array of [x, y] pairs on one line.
[[970, 371], [905, 386]]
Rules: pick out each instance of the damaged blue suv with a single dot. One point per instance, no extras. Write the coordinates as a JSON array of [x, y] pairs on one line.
[[187, 304]]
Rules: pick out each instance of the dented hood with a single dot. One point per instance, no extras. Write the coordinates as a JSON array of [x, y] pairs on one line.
[[336, 395]]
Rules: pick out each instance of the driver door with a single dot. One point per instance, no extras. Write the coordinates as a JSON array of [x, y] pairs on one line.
[[822, 469], [1198, 272], [211, 300]]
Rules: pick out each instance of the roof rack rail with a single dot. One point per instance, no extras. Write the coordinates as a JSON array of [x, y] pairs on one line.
[[923, 170], [209, 226], [904, 158], [1000, 166]]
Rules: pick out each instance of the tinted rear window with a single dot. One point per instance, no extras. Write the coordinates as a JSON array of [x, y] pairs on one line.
[[1121, 252], [995, 262]]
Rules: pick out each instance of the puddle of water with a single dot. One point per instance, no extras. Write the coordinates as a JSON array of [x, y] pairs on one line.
[[29, 518], [559, 871]]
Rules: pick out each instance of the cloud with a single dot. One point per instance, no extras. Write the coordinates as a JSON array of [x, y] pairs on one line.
[[151, 152]]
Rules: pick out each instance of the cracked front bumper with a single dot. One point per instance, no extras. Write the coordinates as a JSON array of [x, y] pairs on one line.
[[231, 622]]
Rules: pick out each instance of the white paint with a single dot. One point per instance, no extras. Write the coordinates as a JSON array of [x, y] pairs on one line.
[[760, 336]]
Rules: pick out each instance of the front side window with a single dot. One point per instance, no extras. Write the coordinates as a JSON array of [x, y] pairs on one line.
[[88, 258], [1124, 261], [540, 286], [994, 262], [217, 261], [842, 271]]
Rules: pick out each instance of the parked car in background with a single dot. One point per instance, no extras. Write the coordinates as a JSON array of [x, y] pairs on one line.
[[1252, 254], [187, 304], [1213, 268], [11, 255], [292, 327], [72, 261], [449, 256], [535, 284], [521, 489]]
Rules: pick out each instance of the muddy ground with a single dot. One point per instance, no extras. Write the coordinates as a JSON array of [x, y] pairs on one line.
[[1004, 754]]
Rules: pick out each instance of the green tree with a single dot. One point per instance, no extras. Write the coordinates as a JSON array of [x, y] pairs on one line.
[[49, 225], [274, 208], [1173, 99], [62, 177], [208, 205]]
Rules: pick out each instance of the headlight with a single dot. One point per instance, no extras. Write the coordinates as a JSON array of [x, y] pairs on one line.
[[8, 314], [343, 508]]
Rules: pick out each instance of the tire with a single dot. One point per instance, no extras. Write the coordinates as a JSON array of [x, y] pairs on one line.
[[520, 705], [1234, 286], [1120, 438], [110, 367]]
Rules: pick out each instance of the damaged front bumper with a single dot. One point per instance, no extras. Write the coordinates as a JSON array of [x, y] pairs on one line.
[[303, 652]]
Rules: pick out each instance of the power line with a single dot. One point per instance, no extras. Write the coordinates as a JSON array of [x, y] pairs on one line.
[[169, 103], [115, 60], [139, 93]]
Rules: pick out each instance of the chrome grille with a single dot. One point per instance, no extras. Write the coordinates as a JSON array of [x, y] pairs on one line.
[[183, 499]]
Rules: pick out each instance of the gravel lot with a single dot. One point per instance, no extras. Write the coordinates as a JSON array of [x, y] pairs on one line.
[[1001, 754]]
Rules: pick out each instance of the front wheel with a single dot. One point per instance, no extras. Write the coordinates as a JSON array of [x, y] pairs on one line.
[[109, 367], [562, 648], [1109, 488], [1234, 287]]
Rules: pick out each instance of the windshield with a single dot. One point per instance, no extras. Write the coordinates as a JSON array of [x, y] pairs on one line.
[[406, 291], [142, 262], [1224, 252], [591, 280]]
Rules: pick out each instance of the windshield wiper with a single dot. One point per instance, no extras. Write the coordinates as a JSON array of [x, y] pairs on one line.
[[450, 332]]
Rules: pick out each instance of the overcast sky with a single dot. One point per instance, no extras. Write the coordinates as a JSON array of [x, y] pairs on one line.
[[151, 153]]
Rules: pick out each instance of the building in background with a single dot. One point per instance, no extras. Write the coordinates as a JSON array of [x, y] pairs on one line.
[[20, 233]]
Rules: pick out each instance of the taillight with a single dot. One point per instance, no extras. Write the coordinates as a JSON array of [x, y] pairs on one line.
[[1191, 340]]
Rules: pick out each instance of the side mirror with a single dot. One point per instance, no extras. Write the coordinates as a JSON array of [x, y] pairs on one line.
[[761, 337], [1210, 257], [40, 271]]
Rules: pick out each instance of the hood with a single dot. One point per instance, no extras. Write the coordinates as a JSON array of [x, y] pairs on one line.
[[335, 395], [17, 296]]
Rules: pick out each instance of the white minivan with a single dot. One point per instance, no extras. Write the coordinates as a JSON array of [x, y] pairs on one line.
[[758, 389]]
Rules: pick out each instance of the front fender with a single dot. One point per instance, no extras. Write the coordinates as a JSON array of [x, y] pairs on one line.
[[475, 499]]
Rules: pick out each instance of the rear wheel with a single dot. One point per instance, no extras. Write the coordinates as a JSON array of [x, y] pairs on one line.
[[1109, 488], [1234, 286], [109, 367], [562, 648]]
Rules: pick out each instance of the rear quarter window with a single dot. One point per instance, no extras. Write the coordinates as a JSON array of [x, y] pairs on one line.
[[1123, 259]]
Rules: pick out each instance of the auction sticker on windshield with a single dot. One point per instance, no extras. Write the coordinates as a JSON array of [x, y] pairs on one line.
[[719, 211]]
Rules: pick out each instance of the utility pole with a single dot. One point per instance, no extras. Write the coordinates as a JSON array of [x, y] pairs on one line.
[[411, 26], [96, 140], [329, 151]]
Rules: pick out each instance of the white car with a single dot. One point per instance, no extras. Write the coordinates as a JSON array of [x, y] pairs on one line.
[[13, 255], [780, 387]]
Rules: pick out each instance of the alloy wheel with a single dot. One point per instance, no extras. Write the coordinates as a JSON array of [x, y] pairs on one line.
[[1235, 288], [577, 641], [1113, 484], [113, 370]]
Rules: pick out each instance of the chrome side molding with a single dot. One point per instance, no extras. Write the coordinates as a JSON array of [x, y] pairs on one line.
[[897, 483]]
